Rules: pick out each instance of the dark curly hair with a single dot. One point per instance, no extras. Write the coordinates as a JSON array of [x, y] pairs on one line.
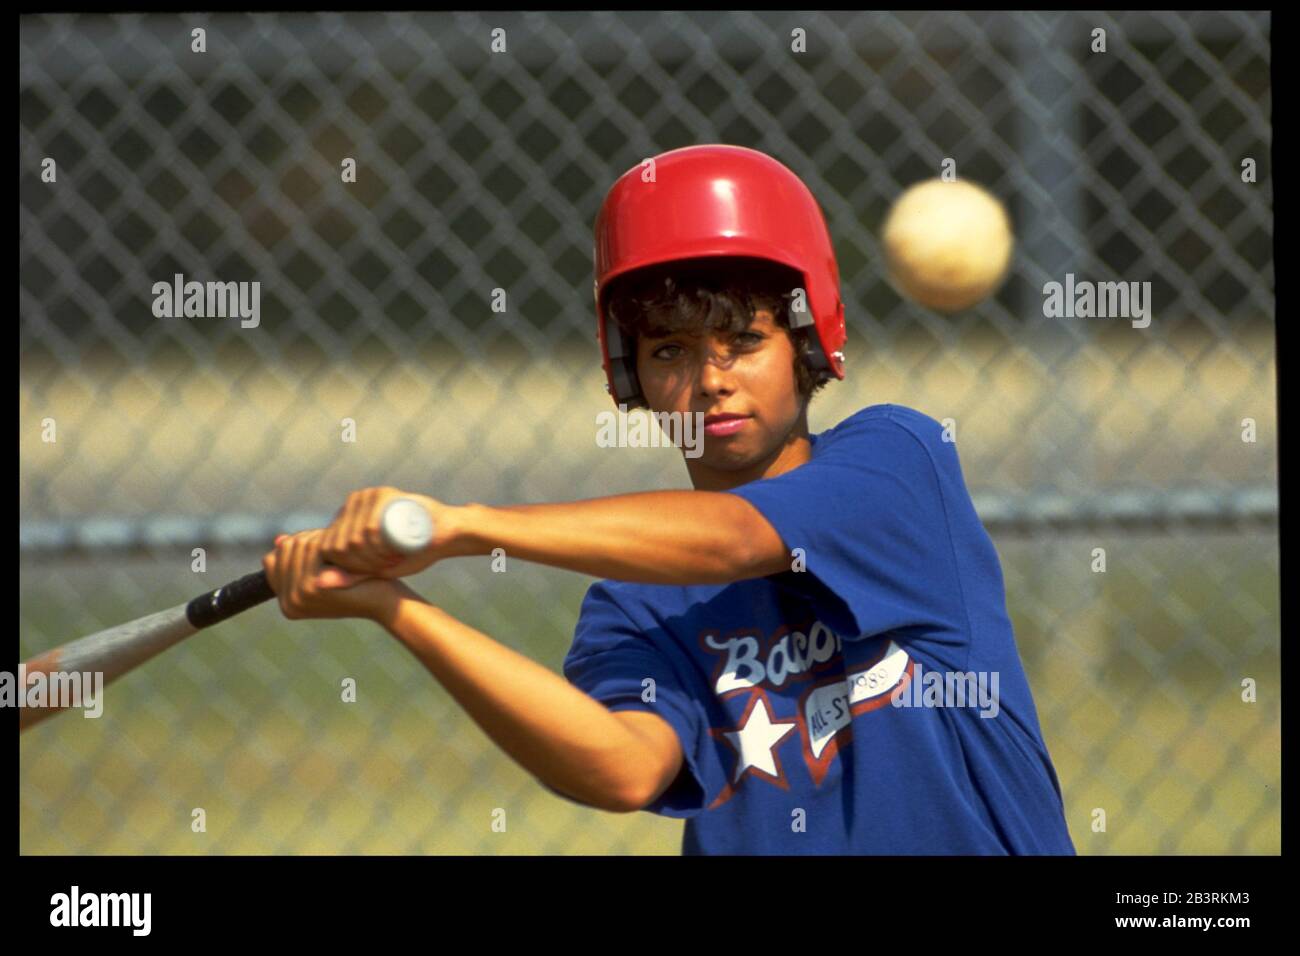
[[720, 294]]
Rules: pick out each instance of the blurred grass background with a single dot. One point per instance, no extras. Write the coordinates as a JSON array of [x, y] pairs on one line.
[[246, 722]]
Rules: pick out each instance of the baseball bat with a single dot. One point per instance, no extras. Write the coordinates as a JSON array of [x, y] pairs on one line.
[[407, 528]]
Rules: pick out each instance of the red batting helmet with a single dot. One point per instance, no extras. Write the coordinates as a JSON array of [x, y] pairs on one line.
[[716, 200]]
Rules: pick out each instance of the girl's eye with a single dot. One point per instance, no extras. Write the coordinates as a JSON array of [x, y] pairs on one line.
[[671, 350]]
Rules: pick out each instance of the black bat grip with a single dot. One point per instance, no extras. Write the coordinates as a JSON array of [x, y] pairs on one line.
[[229, 600]]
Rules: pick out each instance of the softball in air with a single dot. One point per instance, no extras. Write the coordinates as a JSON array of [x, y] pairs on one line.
[[947, 244]]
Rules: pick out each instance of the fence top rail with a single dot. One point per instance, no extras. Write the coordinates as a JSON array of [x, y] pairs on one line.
[[1002, 514]]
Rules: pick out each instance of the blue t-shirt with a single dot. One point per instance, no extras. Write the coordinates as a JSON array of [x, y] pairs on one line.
[[784, 691]]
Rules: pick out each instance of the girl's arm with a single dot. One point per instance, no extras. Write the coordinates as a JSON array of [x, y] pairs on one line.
[[571, 742], [655, 537]]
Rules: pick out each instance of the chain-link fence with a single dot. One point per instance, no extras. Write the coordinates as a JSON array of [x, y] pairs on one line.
[[1129, 148]]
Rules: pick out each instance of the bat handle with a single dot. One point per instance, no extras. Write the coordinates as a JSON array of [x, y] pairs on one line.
[[229, 600]]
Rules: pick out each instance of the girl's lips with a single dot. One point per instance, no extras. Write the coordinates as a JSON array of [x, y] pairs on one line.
[[725, 426]]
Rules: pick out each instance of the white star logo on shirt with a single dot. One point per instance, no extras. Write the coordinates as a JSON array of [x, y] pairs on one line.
[[757, 738]]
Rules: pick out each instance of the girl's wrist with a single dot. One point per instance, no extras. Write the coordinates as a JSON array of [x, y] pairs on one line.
[[397, 600], [468, 527]]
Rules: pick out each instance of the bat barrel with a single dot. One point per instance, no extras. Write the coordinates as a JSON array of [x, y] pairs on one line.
[[110, 652]]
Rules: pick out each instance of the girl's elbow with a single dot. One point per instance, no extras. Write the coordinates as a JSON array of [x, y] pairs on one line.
[[633, 795]]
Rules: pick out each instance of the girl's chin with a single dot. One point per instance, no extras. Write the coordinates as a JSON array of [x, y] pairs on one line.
[[727, 457]]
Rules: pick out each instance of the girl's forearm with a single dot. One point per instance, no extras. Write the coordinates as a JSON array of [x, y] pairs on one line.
[[657, 537], [562, 736]]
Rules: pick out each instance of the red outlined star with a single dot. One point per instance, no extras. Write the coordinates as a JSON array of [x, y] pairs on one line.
[[754, 741]]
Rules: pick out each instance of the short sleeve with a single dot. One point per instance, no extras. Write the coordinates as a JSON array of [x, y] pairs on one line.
[[613, 661], [869, 517]]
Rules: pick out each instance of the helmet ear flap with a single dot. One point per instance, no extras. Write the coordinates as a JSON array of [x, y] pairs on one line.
[[624, 387], [811, 349], [811, 355]]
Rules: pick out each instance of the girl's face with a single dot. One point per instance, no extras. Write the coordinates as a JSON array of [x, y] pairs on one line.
[[755, 423]]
